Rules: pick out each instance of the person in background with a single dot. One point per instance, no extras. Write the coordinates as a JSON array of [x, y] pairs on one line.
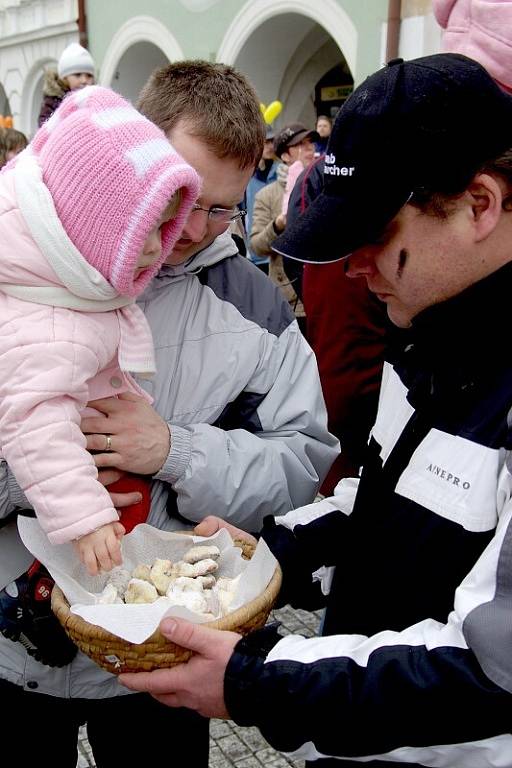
[[295, 147], [265, 173], [11, 143], [295, 143], [348, 329], [413, 559], [323, 128], [238, 422], [269, 221], [75, 69]]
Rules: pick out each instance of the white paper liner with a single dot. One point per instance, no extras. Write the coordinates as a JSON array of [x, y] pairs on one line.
[[136, 622]]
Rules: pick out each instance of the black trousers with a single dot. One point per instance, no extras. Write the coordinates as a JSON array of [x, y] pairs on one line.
[[125, 731]]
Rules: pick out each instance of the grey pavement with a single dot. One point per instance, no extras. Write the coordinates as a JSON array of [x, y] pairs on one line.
[[230, 745]]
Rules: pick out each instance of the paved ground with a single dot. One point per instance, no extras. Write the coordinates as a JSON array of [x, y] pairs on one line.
[[231, 746]]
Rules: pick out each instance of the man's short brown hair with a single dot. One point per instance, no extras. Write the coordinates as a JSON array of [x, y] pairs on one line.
[[442, 205], [216, 102]]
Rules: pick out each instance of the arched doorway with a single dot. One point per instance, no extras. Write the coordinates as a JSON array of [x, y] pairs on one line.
[[134, 68], [292, 71], [286, 52], [32, 95], [36, 95], [139, 46], [5, 108], [332, 90]]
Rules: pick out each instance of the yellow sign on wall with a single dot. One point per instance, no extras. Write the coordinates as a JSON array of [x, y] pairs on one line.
[[335, 92]]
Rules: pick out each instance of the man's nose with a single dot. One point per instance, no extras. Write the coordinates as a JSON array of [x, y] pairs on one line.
[[196, 226], [360, 263]]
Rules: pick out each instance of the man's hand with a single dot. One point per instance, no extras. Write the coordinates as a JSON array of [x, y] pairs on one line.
[[280, 223], [139, 438], [119, 500], [211, 524], [198, 684], [101, 549]]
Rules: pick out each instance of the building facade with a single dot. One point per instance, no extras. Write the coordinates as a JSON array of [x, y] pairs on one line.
[[306, 55]]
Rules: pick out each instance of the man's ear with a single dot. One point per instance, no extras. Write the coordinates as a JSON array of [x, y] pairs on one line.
[[485, 197], [285, 157]]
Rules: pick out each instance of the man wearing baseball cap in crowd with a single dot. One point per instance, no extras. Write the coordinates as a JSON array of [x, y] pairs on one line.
[[415, 666], [269, 219], [295, 142], [294, 146]]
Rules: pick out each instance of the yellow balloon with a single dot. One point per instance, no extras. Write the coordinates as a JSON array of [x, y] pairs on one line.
[[263, 108], [272, 111]]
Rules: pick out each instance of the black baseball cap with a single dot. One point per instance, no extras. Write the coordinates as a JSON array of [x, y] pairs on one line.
[[425, 124], [291, 135]]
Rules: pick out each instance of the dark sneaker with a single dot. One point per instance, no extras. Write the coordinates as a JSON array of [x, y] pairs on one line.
[[26, 616]]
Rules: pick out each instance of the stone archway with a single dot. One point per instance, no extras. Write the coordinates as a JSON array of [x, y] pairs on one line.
[[140, 46], [5, 107], [32, 94], [285, 49]]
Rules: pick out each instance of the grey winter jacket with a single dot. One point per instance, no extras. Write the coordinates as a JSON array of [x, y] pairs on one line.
[[238, 385]]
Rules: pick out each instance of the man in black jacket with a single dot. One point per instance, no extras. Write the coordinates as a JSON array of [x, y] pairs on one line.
[[412, 559]]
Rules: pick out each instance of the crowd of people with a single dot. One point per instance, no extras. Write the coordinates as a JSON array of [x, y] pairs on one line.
[[332, 379]]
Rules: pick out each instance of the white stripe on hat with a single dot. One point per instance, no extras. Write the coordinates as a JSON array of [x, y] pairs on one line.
[[82, 95], [52, 121], [146, 155], [144, 204], [110, 118]]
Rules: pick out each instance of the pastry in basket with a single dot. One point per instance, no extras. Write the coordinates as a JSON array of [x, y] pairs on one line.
[[207, 595], [147, 583], [161, 575], [202, 552], [226, 589], [140, 591]]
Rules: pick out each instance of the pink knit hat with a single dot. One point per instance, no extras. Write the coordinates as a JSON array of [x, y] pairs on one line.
[[111, 174], [480, 29]]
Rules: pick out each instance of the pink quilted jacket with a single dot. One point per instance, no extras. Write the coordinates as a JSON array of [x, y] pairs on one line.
[[53, 360]]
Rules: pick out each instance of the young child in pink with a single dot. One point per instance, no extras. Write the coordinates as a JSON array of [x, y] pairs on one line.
[[88, 214]]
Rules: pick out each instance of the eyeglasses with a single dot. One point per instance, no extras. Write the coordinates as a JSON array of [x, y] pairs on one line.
[[221, 215]]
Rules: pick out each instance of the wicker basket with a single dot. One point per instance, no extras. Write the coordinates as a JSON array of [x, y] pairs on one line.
[[117, 655]]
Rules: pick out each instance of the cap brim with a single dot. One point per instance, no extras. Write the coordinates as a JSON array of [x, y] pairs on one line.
[[312, 135], [333, 227]]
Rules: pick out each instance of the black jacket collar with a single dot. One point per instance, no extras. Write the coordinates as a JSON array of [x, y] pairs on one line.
[[469, 329]]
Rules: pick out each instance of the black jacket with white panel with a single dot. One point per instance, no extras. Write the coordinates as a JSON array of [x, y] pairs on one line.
[[413, 562]]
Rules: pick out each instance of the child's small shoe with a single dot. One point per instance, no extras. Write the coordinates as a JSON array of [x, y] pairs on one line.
[[26, 616]]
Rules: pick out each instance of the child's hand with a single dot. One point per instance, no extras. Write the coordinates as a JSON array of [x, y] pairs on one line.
[[101, 549]]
